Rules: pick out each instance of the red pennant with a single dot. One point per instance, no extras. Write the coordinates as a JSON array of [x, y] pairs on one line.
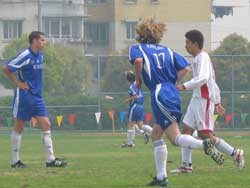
[[148, 117], [72, 118], [228, 118]]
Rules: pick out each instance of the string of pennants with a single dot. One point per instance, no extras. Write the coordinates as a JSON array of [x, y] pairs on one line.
[[122, 116]]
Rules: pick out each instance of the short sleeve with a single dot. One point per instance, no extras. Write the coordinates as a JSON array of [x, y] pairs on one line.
[[132, 90], [134, 53], [17, 62], [180, 62]]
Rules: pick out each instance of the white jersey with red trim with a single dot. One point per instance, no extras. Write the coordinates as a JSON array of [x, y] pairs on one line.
[[203, 82]]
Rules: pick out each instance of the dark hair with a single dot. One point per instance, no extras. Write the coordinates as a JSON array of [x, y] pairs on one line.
[[195, 36], [35, 35], [130, 76]]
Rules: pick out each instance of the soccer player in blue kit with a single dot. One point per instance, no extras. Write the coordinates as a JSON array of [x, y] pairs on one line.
[[135, 113], [160, 68], [28, 101]]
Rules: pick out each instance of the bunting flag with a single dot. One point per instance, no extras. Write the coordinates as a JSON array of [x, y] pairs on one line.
[[33, 122], [148, 117], [216, 117], [111, 116], [9, 121], [243, 117], [229, 118], [59, 120], [72, 118], [97, 117], [122, 116]]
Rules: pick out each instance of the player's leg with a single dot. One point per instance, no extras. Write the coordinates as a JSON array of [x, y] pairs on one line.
[[22, 106], [130, 136], [16, 137], [52, 161], [41, 115], [160, 157], [186, 155]]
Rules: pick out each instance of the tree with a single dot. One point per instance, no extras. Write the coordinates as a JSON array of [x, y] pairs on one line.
[[228, 59], [65, 69]]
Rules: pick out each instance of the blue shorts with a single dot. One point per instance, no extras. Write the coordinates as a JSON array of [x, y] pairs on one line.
[[135, 113], [166, 105], [27, 105]]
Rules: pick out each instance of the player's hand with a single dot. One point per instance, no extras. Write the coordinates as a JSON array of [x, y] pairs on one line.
[[181, 87], [23, 85], [219, 109]]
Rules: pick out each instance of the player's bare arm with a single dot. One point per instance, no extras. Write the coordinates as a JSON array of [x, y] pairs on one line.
[[13, 78], [138, 68], [131, 98]]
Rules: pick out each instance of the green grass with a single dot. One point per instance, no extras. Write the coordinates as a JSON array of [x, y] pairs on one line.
[[97, 161]]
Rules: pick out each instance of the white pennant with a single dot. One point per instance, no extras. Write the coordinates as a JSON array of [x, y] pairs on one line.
[[97, 116]]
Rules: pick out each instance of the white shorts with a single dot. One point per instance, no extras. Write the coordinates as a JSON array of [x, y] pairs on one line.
[[200, 115]]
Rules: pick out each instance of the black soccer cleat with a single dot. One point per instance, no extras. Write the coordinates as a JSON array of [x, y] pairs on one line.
[[56, 163], [156, 182], [212, 151], [18, 164]]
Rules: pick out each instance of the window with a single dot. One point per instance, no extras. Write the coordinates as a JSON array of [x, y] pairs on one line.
[[97, 32], [130, 1], [155, 1], [96, 1], [12, 29], [130, 28], [62, 27]]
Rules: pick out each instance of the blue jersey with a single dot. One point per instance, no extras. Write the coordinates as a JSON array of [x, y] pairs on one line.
[[134, 91], [29, 66], [161, 64]]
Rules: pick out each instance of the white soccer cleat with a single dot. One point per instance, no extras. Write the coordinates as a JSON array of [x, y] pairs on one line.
[[182, 169], [239, 159]]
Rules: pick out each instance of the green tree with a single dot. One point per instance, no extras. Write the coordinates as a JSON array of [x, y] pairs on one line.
[[65, 69], [229, 62]]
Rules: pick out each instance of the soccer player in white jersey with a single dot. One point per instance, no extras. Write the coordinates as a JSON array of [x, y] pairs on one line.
[[28, 101], [160, 68], [205, 100], [135, 113]]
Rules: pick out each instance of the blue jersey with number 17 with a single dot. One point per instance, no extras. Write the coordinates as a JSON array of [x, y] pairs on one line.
[[161, 64]]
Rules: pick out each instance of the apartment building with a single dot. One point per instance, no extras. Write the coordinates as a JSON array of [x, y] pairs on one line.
[[61, 20], [110, 25]]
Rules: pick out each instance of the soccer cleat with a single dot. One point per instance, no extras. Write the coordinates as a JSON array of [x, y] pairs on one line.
[[146, 138], [211, 150], [56, 163], [156, 182], [239, 159], [18, 164], [182, 169], [126, 145]]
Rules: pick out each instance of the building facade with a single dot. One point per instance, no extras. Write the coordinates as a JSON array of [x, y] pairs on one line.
[[61, 20], [110, 25]]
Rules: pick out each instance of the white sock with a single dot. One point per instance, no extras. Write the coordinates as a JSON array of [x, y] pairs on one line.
[[160, 156], [187, 141], [138, 130], [186, 155], [16, 142], [48, 145], [224, 147], [131, 136], [147, 129]]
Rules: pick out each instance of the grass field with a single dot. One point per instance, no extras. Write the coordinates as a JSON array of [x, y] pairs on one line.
[[97, 161]]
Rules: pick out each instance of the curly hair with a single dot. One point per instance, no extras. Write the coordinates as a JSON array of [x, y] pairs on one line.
[[150, 31]]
